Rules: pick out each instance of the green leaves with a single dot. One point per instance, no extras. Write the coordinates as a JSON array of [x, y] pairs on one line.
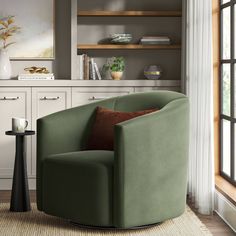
[[115, 64]]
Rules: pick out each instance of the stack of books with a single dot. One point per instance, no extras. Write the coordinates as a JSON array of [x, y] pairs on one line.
[[87, 68], [155, 40]]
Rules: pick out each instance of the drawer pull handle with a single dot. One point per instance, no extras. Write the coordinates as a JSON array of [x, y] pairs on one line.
[[93, 98], [9, 98], [49, 98]]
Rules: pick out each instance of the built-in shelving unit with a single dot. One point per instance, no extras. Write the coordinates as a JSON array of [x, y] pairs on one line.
[[93, 24], [131, 13], [126, 47], [81, 27]]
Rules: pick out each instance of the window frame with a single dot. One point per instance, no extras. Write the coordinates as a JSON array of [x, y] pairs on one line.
[[232, 62]]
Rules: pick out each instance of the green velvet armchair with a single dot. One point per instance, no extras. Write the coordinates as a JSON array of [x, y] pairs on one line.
[[142, 182]]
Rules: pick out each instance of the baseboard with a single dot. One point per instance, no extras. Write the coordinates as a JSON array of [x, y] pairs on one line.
[[6, 184], [226, 210]]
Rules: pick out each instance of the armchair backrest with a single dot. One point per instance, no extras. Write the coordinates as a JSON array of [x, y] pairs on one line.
[[146, 100]]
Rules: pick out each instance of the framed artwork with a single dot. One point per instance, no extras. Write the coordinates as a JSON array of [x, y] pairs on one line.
[[36, 39]]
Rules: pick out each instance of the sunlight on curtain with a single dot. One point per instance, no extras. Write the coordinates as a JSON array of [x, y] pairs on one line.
[[199, 88]]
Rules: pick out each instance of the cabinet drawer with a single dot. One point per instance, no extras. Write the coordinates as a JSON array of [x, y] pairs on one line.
[[81, 96], [14, 102], [49, 100]]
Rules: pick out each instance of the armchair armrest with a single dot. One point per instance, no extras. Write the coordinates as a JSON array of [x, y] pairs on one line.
[[62, 132], [150, 170]]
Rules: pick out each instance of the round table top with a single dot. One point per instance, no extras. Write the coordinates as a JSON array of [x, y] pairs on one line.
[[27, 132]]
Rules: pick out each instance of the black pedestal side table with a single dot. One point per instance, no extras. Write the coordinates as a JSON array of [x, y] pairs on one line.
[[20, 200]]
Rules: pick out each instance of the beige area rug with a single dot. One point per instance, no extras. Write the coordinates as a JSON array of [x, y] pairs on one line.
[[37, 223]]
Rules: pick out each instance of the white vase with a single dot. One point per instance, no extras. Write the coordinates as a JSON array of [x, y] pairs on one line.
[[5, 65]]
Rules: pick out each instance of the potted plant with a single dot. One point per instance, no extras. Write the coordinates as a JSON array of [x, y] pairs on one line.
[[116, 65], [7, 30]]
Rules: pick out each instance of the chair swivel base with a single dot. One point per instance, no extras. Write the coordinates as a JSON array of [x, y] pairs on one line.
[[113, 228]]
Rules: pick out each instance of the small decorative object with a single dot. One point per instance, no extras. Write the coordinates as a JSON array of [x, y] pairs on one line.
[[37, 70], [152, 72], [6, 31], [116, 65], [121, 38], [36, 73]]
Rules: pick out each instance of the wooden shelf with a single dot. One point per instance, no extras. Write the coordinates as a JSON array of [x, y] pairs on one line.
[[126, 47], [131, 13]]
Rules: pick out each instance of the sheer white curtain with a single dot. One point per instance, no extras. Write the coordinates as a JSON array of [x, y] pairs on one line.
[[199, 88]]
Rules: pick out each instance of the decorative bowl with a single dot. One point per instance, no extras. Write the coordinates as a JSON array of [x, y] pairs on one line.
[[121, 38]]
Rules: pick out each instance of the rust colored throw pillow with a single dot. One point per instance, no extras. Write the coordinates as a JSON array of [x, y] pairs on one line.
[[102, 135]]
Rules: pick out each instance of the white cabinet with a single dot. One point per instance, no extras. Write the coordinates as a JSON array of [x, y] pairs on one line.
[[45, 101], [14, 102], [35, 101], [83, 95]]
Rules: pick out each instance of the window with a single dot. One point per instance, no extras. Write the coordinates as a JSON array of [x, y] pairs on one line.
[[228, 90]]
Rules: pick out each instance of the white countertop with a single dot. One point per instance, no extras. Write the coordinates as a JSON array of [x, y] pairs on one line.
[[90, 83]]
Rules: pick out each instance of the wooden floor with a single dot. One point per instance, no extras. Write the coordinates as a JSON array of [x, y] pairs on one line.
[[214, 223]]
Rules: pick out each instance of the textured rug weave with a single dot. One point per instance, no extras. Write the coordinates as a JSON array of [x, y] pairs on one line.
[[37, 223]]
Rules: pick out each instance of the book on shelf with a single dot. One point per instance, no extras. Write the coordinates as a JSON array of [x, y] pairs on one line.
[[97, 71], [91, 70], [158, 40], [155, 43], [36, 76], [156, 37], [80, 67], [87, 68]]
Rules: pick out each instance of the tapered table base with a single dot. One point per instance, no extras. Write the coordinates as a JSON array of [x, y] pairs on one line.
[[20, 200]]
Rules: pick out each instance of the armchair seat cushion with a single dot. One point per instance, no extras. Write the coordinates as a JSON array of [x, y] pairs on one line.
[[78, 185]]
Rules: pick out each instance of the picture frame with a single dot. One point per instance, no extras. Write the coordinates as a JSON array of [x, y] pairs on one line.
[[36, 39]]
